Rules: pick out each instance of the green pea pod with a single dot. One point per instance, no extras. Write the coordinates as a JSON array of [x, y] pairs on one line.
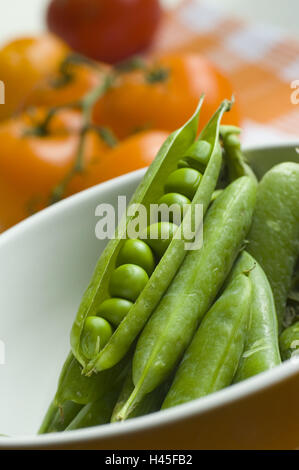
[[48, 418], [74, 386], [96, 413], [274, 236], [233, 155], [99, 410], [165, 271], [171, 327], [75, 390], [57, 419], [261, 349], [212, 358], [289, 342], [152, 401], [149, 191]]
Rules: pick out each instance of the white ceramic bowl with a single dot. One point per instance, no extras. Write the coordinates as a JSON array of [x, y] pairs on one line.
[[45, 265]]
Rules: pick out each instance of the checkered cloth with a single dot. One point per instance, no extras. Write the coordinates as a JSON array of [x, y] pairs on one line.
[[261, 61]]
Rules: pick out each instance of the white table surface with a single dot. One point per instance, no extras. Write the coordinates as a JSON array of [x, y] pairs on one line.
[[19, 17]]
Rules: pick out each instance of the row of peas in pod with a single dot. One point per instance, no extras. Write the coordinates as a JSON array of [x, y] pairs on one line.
[[137, 258]]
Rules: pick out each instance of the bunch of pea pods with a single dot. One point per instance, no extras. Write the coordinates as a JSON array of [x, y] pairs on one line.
[[160, 325]]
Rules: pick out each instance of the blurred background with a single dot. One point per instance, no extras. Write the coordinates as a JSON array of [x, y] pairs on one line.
[[263, 33], [20, 17], [146, 63]]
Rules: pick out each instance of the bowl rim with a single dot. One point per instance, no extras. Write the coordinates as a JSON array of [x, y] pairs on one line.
[[218, 399], [293, 143], [203, 405]]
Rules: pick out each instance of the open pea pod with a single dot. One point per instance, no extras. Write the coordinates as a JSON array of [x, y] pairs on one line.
[[149, 191], [180, 145]]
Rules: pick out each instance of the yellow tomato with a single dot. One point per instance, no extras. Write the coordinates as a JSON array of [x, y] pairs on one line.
[[24, 63]]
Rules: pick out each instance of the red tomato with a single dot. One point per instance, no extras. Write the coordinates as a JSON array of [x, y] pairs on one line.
[[105, 30]]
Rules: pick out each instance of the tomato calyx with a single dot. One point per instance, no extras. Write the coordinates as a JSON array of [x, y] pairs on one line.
[[157, 74], [41, 128], [129, 65], [66, 71], [153, 74]]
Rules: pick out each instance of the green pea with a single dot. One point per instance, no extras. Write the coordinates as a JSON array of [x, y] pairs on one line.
[[185, 163], [96, 334], [114, 310], [184, 181], [201, 150], [158, 236], [179, 201], [127, 281], [137, 252], [197, 156]]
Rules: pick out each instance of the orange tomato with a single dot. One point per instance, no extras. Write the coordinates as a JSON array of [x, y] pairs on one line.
[[68, 85], [23, 63], [31, 166], [64, 120], [164, 95], [133, 153]]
